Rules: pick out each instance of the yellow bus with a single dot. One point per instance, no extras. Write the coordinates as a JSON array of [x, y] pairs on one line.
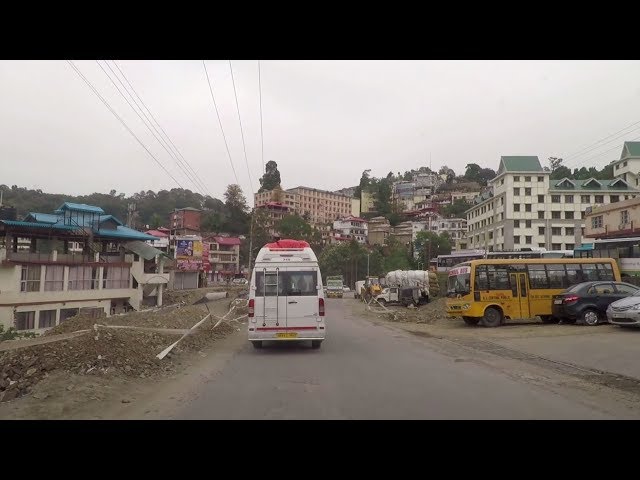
[[490, 291]]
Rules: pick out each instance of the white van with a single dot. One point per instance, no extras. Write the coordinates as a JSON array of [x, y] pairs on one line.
[[286, 297]]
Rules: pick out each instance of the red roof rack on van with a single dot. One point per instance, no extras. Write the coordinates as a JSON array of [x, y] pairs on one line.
[[287, 244]]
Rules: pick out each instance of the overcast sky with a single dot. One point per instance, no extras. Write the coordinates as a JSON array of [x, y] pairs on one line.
[[324, 121]]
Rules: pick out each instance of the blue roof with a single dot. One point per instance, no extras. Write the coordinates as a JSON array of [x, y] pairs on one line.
[[104, 218], [80, 207], [43, 217], [124, 232], [18, 223]]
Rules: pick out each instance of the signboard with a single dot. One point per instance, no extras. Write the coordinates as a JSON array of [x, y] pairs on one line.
[[459, 271], [189, 254], [206, 266]]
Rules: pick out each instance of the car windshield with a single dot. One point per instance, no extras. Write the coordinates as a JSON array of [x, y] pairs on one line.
[[459, 281]]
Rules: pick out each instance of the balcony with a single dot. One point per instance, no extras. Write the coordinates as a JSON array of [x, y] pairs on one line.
[[63, 259]]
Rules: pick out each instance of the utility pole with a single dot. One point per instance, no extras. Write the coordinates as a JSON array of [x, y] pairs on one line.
[[368, 264], [251, 240]]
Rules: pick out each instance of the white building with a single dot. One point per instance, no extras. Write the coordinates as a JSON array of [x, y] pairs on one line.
[[628, 167], [456, 228], [526, 209], [350, 227]]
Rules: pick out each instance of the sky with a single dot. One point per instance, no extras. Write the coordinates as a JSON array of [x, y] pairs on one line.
[[323, 122]]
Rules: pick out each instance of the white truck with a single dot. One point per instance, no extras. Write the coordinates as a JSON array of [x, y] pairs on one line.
[[405, 287]]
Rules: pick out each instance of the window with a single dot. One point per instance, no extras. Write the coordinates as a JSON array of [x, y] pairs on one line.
[[569, 215], [516, 207], [516, 178], [528, 239], [54, 278], [556, 231], [83, 278], [501, 200], [116, 277], [490, 235], [555, 214], [569, 231], [540, 198], [596, 222], [541, 214], [293, 284], [556, 246], [502, 182], [527, 207], [68, 313], [527, 179], [516, 224], [30, 279], [47, 318], [527, 191], [605, 271], [537, 276], [599, 198], [541, 245], [540, 230], [569, 246], [516, 239], [615, 198], [516, 191], [624, 164], [557, 276], [601, 289], [541, 179], [498, 277], [25, 320], [555, 198], [501, 216], [627, 289], [481, 281], [624, 217], [618, 166], [585, 198]]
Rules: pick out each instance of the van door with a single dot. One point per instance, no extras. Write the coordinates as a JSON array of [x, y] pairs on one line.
[[302, 298], [270, 299]]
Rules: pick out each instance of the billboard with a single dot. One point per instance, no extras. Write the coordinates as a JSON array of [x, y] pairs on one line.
[[189, 254]]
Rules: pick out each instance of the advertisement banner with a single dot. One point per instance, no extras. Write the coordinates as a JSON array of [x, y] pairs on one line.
[[184, 249], [206, 266], [188, 265]]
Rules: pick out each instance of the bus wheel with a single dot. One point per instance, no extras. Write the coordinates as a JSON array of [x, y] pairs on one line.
[[316, 343], [471, 320], [492, 317], [257, 343]]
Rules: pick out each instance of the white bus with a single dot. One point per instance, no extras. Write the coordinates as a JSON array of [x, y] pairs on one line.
[[445, 262], [626, 252], [286, 297]]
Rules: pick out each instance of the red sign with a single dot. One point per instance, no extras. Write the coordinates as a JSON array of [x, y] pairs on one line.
[[206, 266]]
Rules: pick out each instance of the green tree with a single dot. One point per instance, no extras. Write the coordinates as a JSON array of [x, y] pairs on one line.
[[457, 208], [294, 226], [365, 181], [238, 218], [271, 177], [438, 244], [396, 256]]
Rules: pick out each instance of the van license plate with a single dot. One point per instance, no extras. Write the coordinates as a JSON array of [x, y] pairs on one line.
[[558, 301], [287, 335]]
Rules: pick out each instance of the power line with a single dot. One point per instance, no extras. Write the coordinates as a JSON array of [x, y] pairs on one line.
[[261, 134], [244, 147], [220, 122], [121, 121], [160, 141], [601, 153], [602, 142], [166, 136]]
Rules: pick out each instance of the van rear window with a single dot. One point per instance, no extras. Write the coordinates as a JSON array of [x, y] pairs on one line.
[[292, 284]]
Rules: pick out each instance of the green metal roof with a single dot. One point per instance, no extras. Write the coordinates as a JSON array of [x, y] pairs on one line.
[[520, 164], [620, 185], [80, 207], [43, 217], [17, 223], [633, 149], [145, 250]]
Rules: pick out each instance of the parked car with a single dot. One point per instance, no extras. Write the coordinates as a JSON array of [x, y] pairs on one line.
[[346, 289], [240, 281], [587, 302], [625, 312]]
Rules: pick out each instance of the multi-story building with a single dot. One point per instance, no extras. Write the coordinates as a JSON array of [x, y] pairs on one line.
[[456, 228], [349, 228], [275, 211], [628, 166], [161, 240], [466, 196], [379, 230], [224, 257], [321, 207], [46, 284], [403, 233], [615, 220], [524, 208], [185, 221], [367, 202]]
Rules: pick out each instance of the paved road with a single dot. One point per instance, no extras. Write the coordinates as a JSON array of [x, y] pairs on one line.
[[365, 371]]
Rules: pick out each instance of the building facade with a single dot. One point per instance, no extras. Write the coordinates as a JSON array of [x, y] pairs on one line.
[[348, 228], [615, 220], [185, 221], [224, 257], [524, 208], [628, 166], [114, 271], [378, 231]]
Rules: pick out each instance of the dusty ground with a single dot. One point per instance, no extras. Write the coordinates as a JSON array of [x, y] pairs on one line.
[[431, 320], [98, 359]]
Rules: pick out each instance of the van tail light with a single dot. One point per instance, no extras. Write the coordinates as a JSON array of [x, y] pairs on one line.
[[571, 298], [321, 306], [252, 303]]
